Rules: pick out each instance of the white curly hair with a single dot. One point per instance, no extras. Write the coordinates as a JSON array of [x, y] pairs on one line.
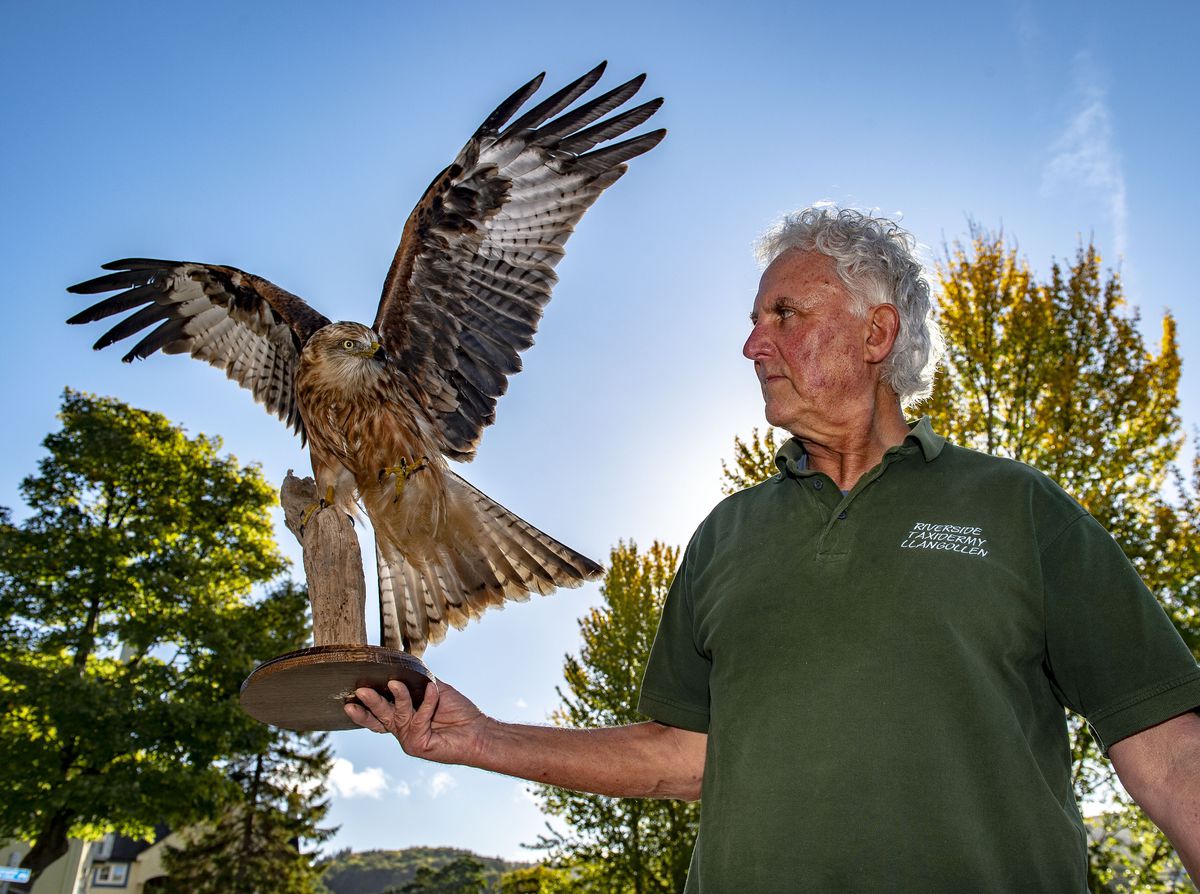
[[875, 260]]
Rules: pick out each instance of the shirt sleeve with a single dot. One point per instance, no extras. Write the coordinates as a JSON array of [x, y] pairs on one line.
[[675, 684], [1113, 654]]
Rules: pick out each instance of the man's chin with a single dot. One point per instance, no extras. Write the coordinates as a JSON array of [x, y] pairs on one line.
[[774, 414]]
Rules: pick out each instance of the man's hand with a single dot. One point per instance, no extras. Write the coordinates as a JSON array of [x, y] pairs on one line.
[[447, 728]]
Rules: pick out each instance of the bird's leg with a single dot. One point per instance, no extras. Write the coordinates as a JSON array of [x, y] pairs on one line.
[[311, 510], [403, 471]]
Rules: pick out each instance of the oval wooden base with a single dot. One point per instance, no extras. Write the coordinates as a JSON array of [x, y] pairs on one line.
[[305, 690]]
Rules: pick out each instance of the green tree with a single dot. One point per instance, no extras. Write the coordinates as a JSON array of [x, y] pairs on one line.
[[368, 872], [1057, 374], [462, 875], [126, 627], [276, 802], [539, 879], [633, 844]]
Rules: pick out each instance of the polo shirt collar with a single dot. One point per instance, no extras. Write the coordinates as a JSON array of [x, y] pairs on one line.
[[930, 442], [792, 459]]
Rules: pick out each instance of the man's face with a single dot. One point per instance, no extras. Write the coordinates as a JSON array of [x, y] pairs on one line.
[[807, 345]]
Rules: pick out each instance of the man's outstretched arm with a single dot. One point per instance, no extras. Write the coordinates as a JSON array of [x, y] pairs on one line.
[[643, 760]]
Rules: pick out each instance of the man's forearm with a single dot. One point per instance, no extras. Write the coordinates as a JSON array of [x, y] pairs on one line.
[[1180, 819], [1160, 767], [644, 760]]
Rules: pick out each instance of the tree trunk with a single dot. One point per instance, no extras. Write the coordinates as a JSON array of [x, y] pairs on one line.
[[52, 842], [250, 807]]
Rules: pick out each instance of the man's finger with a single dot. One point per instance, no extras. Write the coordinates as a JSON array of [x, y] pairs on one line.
[[424, 714], [383, 710], [373, 701], [363, 718], [401, 699]]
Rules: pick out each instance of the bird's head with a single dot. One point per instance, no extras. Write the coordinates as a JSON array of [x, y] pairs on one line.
[[347, 352]]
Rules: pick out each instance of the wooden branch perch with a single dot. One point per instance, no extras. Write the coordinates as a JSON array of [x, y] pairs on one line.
[[333, 565]]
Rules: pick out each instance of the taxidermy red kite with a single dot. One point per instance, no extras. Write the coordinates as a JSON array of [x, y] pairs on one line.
[[383, 407]]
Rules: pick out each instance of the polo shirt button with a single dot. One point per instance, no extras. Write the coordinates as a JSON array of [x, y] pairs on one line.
[[842, 515], [818, 484]]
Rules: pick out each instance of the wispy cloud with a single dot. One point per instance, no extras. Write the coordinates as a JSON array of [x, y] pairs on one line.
[[370, 782], [1027, 28], [1085, 155], [441, 783]]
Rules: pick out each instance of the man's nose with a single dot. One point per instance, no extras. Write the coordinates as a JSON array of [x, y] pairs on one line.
[[755, 346]]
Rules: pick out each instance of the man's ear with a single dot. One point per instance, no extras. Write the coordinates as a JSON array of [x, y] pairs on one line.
[[883, 325]]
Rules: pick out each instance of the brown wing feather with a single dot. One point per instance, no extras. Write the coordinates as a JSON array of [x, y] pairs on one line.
[[236, 321], [489, 556], [475, 266]]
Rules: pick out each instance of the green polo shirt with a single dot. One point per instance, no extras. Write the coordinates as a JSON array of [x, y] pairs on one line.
[[882, 675]]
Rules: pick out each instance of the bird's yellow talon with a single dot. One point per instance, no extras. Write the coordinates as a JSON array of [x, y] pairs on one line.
[[403, 471], [314, 508], [308, 513]]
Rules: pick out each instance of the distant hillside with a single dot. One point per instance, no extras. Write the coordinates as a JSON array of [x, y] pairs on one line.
[[370, 872]]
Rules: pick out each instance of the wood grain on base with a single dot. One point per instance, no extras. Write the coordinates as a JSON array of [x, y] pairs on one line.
[[305, 690]]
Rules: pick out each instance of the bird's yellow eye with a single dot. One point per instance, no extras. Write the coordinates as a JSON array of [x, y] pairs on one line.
[[348, 344]]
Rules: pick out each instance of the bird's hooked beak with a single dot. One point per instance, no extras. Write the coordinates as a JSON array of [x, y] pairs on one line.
[[379, 354]]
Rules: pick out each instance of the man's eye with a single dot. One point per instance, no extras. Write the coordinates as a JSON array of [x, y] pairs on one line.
[[785, 312], [348, 344]]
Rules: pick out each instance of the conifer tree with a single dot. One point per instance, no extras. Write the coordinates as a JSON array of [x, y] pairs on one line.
[[256, 841]]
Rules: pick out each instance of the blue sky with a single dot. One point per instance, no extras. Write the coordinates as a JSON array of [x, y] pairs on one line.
[[292, 139]]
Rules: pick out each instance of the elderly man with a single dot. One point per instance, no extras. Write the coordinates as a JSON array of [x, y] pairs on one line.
[[863, 662]]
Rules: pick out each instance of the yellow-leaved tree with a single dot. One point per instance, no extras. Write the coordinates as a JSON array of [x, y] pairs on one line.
[[1058, 375]]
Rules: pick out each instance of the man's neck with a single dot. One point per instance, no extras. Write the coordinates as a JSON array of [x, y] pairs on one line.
[[847, 450]]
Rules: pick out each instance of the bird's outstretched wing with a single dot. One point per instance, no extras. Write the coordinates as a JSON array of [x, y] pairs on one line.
[[238, 322], [476, 262]]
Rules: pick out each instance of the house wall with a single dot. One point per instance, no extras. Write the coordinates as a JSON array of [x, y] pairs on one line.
[[148, 865], [72, 873], [63, 876]]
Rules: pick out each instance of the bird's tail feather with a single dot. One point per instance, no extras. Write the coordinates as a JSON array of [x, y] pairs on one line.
[[487, 556]]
